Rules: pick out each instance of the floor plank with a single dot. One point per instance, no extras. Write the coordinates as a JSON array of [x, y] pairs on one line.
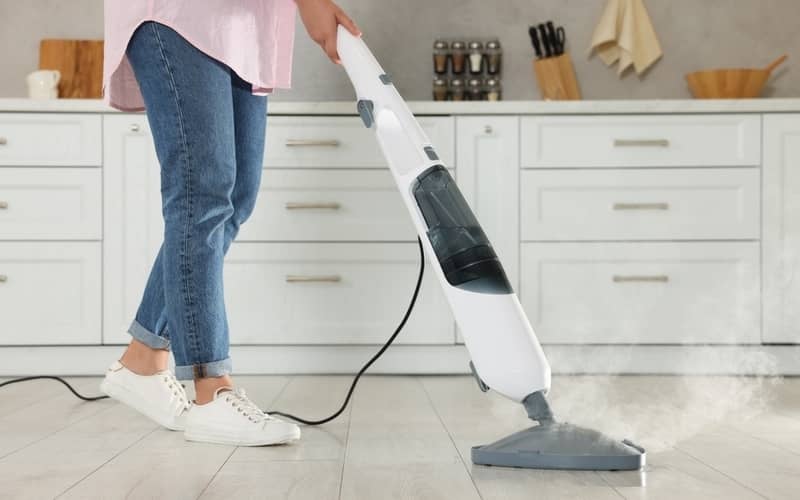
[[293, 480], [16, 397], [163, 464]]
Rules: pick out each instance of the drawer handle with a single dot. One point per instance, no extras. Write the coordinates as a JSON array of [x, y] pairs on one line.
[[641, 206], [294, 143], [3, 205], [3, 278], [624, 143], [3, 141], [297, 205], [659, 278], [294, 278]]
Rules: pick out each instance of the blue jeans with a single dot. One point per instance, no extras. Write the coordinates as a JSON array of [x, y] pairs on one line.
[[209, 133]]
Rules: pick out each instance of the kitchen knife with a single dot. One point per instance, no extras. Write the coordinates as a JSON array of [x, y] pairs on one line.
[[548, 52], [553, 39], [537, 47]]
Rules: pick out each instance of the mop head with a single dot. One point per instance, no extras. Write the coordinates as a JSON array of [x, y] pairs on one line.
[[556, 445]]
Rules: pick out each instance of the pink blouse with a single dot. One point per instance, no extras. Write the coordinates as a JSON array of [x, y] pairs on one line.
[[254, 38]]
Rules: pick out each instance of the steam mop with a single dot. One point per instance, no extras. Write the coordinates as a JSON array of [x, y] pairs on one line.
[[506, 355]]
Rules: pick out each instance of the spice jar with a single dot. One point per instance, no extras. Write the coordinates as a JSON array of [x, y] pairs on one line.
[[457, 89], [458, 56], [440, 54], [475, 89], [493, 89], [475, 57], [439, 89], [494, 57]]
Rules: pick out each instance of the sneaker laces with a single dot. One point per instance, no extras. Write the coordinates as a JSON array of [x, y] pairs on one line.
[[178, 391], [239, 400]]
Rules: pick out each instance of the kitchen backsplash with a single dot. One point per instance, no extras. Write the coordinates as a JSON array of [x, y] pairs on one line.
[[694, 35]]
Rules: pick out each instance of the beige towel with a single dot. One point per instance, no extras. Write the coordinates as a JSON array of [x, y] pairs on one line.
[[625, 34]]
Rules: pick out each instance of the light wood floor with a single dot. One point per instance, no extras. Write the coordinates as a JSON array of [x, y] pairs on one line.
[[409, 438]]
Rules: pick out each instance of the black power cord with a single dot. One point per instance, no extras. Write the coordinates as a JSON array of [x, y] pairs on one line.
[[282, 414]]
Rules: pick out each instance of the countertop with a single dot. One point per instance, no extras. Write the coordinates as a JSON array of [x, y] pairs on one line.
[[766, 105]]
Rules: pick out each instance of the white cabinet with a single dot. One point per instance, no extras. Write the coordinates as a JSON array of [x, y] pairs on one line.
[[133, 226], [49, 293], [50, 139], [781, 240]]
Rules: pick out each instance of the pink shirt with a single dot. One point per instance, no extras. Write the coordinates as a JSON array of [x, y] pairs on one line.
[[255, 38]]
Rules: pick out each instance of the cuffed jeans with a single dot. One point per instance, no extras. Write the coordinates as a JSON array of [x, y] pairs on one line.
[[209, 132]]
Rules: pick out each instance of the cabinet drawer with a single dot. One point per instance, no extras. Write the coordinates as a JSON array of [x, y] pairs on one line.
[[328, 205], [331, 293], [49, 293], [343, 142], [50, 204], [668, 204], [641, 141], [642, 293], [50, 139]]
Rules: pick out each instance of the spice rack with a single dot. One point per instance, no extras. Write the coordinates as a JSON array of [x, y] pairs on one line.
[[467, 69]]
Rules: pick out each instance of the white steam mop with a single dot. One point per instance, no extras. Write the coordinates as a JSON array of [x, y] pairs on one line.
[[506, 356]]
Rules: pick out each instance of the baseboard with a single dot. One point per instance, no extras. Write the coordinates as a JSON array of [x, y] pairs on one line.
[[439, 359]]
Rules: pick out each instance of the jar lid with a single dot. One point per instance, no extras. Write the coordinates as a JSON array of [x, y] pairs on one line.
[[439, 44], [439, 82], [492, 82], [458, 45], [493, 44], [456, 82], [474, 82], [475, 45]]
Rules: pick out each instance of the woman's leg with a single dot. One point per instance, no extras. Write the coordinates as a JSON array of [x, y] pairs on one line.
[[189, 102]]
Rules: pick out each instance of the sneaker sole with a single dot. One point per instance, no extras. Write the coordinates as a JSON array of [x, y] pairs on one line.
[[203, 437], [129, 399]]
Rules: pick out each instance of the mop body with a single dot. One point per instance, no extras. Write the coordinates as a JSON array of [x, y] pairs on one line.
[[506, 355]]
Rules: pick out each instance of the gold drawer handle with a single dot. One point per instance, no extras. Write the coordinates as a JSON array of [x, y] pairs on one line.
[[3, 278], [3, 205], [659, 143], [294, 278], [294, 143], [641, 206], [3, 141], [297, 205], [659, 278]]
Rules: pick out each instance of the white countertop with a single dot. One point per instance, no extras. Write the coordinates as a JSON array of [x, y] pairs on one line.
[[767, 105]]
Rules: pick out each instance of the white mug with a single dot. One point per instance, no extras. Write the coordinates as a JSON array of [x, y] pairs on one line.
[[43, 84]]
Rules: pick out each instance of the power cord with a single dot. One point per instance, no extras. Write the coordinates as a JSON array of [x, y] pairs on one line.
[[361, 372]]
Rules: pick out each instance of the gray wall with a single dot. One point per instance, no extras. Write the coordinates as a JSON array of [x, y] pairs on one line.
[[695, 34]]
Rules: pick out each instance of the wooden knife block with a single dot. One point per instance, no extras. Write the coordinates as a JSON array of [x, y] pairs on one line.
[[556, 78]]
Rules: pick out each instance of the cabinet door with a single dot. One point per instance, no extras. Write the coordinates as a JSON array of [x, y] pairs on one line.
[[781, 229], [487, 154], [132, 225]]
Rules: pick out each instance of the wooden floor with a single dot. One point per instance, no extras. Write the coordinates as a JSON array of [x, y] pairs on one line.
[[409, 438]]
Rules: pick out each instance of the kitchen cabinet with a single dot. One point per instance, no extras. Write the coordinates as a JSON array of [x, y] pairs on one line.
[[781, 230]]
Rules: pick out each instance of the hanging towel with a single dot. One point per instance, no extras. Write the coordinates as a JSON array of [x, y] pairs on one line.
[[625, 34]]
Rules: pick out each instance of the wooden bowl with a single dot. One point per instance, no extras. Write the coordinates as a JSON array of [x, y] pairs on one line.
[[730, 83]]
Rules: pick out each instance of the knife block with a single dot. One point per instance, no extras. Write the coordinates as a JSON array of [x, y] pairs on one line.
[[556, 78]]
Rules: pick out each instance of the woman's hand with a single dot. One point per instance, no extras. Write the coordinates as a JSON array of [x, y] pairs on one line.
[[321, 18]]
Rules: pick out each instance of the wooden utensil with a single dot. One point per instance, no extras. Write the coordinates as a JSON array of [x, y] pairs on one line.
[[731, 83], [80, 63]]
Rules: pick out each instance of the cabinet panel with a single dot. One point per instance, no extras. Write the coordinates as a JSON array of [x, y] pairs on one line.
[[642, 293], [781, 231], [50, 139], [331, 293], [50, 293]]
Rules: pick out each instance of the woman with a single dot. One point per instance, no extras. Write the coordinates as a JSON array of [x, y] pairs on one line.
[[202, 71]]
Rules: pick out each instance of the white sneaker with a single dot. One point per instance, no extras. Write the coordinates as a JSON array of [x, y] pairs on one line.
[[160, 397], [231, 418]]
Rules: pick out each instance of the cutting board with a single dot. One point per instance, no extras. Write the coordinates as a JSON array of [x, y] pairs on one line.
[[80, 63]]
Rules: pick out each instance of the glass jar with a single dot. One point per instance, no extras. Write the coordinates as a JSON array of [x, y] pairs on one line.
[[457, 89], [441, 51], [475, 57], [439, 89], [494, 57], [493, 89], [475, 89], [458, 57]]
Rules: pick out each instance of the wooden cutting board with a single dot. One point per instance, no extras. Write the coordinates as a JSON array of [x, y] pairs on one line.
[[80, 63]]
